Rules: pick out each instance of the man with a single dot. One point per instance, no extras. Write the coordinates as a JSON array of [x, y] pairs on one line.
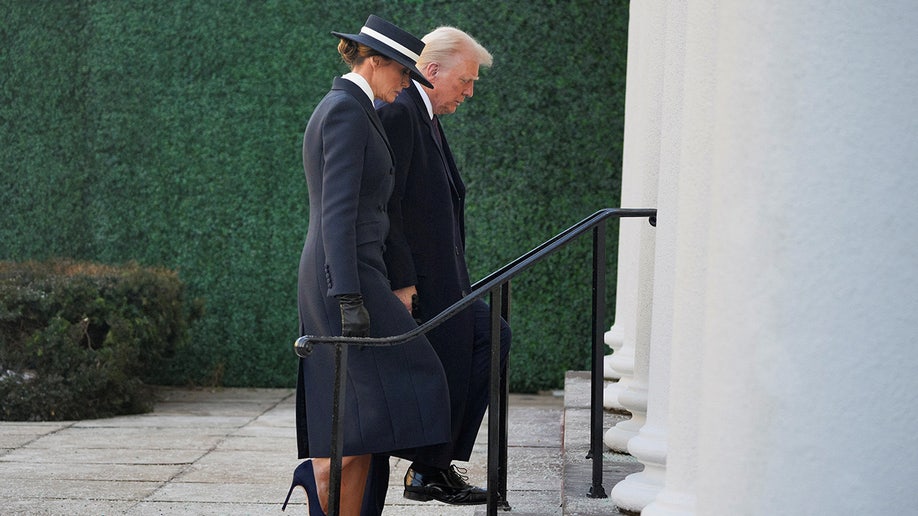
[[425, 254]]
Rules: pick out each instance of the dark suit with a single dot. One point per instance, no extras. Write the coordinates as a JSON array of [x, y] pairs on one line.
[[426, 248], [395, 395]]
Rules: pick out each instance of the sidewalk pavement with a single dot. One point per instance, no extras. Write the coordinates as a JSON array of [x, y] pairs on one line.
[[232, 451], [226, 451]]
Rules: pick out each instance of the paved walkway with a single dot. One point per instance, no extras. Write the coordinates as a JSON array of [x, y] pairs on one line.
[[232, 451]]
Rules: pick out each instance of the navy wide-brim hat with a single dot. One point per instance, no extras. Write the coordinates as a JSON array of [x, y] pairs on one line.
[[392, 42]]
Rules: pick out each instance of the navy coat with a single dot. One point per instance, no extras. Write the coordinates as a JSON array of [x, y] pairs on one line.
[[426, 244], [396, 397]]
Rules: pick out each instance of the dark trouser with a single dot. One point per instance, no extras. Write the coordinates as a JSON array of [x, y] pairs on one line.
[[478, 394]]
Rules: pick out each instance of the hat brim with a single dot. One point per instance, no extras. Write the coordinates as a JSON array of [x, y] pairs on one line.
[[389, 52]]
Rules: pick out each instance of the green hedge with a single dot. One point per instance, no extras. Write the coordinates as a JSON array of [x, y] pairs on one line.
[[169, 133], [78, 340]]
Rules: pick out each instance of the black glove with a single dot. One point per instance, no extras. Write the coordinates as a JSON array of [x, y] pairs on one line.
[[355, 320]]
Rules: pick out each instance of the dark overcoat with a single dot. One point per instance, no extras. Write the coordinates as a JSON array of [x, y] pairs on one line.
[[396, 397], [426, 243]]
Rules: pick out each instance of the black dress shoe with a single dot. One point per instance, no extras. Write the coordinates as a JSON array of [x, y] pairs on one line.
[[446, 485]]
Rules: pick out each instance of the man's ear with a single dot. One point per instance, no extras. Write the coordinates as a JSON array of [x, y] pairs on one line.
[[432, 69]]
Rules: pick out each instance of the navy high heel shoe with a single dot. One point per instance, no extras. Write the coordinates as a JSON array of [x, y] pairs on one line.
[[303, 476]]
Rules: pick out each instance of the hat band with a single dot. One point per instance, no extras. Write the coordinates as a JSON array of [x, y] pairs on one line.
[[390, 42]]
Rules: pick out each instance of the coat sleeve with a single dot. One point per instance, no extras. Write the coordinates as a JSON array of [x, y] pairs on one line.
[[400, 128], [344, 134]]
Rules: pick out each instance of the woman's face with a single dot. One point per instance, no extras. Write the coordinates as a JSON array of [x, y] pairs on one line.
[[392, 79]]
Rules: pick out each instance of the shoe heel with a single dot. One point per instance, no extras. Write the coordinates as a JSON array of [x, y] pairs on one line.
[[292, 485], [418, 497], [304, 477]]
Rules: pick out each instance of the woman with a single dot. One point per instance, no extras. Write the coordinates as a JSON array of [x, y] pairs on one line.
[[396, 397]]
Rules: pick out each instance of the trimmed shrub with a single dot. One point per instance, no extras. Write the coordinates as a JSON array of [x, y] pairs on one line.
[[78, 340]]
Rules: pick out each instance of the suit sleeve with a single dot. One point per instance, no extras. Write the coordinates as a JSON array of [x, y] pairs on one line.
[[399, 127], [344, 135]]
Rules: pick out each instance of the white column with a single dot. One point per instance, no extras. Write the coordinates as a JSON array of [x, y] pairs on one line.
[[620, 336], [678, 495], [640, 163], [613, 339], [620, 364], [810, 360], [637, 490]]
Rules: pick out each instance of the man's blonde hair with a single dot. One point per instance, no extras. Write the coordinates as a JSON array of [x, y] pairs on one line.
[[444, 44]]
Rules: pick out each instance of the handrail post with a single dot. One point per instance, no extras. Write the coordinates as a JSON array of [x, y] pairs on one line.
[[337, 442], [494, 415], [596, 376], [504, 405]]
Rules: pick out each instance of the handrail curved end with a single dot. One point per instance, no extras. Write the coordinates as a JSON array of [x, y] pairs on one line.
[[303, 346]]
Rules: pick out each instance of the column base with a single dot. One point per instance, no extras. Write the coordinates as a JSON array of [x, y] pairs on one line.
[[612, 391], [638, 490], [617, 437], [609, 372]]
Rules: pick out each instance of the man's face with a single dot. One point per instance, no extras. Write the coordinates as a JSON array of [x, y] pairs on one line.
[[453, 83]]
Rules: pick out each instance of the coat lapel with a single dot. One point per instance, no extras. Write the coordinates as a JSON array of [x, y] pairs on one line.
[[356, 92], [439, 140]]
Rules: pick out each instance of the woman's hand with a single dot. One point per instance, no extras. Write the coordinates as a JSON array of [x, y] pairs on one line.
[[355, 321]]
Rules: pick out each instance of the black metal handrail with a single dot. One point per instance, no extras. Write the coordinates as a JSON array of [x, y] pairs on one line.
[[497, 285]]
